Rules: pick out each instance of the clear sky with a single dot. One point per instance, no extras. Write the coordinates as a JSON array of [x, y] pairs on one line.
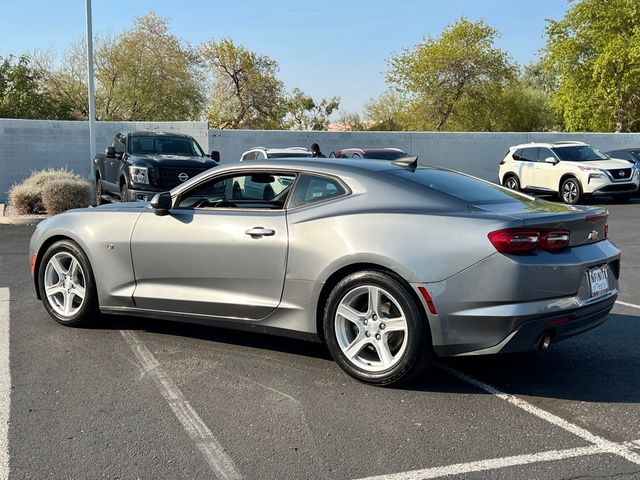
[[331, 47]]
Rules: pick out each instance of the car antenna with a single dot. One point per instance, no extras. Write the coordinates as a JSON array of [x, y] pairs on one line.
[[410, 162]]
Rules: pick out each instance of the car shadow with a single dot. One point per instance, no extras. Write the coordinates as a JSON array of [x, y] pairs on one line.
[[602, 365]]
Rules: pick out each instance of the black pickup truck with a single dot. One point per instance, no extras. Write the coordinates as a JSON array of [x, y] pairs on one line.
[[138, 165]]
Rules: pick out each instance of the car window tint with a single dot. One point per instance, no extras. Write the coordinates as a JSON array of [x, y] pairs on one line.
[[255, 190], [516, 155], [457, 185], [529, 154], [249, 156], [118, 143], [545, 153], [311, 189]]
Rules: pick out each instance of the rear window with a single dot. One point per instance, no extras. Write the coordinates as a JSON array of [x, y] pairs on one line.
[[462, 187]]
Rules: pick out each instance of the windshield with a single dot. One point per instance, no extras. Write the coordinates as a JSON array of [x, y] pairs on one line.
[[163, 145], [290, 155], [579, 153], [385, 155]]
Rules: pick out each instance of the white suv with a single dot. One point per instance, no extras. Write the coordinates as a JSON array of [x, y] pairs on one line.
[[262, 153], [570, 169]]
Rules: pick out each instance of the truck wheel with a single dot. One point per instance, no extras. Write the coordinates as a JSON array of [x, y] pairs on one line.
[[124, 192]]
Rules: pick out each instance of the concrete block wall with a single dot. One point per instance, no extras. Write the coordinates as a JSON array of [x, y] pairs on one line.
[[475, 153], [27, 145]]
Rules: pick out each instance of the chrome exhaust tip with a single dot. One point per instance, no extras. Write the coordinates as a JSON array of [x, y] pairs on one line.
[[543, 342]]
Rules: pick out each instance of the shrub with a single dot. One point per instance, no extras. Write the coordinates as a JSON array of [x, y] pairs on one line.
[[26, 200], [26, 197], [61, 195]]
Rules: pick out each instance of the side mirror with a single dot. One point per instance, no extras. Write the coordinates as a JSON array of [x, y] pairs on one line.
[[215, 156], [110, 152], [550, 160], [161, 203]]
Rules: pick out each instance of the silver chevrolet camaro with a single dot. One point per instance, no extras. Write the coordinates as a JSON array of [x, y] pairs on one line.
[[388, 263]]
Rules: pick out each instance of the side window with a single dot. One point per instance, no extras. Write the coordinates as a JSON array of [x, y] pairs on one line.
[[529, 154], [545, 153], [257, 190], [249, 156], [517, 155], [260, 156], [311, 189]]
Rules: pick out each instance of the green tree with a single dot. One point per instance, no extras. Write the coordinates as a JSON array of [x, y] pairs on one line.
[[388, 112], [595, 50], [246, 91], [460, 69], [145, 73], [23, 93], [307, 114], [351, 122]]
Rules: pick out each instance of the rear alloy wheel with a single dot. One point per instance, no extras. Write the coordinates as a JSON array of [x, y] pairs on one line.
[[570, 191], [66, 285], [512, 183], [375, 331]]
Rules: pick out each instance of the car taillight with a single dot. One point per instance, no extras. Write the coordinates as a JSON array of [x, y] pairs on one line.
[[522, 240], [554, 240], [606, 230], [502, 162]]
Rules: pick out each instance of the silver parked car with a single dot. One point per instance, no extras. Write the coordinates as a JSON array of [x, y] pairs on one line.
[[388, 263]]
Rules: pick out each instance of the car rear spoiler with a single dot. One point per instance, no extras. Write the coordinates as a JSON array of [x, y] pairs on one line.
[[410, 162]]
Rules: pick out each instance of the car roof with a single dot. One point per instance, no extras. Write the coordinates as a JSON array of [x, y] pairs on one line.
[[628, 149], [278, 150], [549, 145], [370, 150]]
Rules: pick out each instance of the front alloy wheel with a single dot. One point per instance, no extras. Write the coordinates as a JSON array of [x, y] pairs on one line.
[[570, 191], [374, 329], [66, 284]]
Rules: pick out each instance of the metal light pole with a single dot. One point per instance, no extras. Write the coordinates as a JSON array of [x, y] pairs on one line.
[[92, 100]]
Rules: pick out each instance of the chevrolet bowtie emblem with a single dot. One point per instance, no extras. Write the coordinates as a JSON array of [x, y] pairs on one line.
[[593, 235]]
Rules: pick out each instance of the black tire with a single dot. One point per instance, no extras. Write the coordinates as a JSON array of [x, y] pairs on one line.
[[99, 192], [512, 183], [124, 192], [410, 362], [570, 191], [87, 311]]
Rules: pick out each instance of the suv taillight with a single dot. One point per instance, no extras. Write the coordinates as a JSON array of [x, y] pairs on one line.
[[523, 240]]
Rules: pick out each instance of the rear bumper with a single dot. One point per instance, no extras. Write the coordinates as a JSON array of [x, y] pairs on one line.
[[505, 303], [558, 327]]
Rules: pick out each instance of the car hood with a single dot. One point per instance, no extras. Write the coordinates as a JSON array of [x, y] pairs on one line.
[[609, 164], [173, 160]]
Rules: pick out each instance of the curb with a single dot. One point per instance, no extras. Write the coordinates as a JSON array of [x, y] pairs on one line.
[[18, 220]]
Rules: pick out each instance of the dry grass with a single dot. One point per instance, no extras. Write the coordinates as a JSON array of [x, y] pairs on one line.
[[61, 195]]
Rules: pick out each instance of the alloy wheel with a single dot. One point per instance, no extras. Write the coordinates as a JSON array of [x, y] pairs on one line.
[[570, 191], [371, 328], [64, 284]]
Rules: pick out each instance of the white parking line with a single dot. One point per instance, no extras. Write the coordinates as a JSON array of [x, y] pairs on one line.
[[490, 464], [605, 445], [220, 463], [632, 305], [5, 383]]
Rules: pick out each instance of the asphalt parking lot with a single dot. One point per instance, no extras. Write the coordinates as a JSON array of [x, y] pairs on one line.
[[139, 398]]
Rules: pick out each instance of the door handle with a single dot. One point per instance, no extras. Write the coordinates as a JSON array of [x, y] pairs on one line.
[[256, 232]]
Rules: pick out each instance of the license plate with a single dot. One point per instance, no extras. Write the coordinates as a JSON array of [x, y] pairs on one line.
[[599, 280]]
